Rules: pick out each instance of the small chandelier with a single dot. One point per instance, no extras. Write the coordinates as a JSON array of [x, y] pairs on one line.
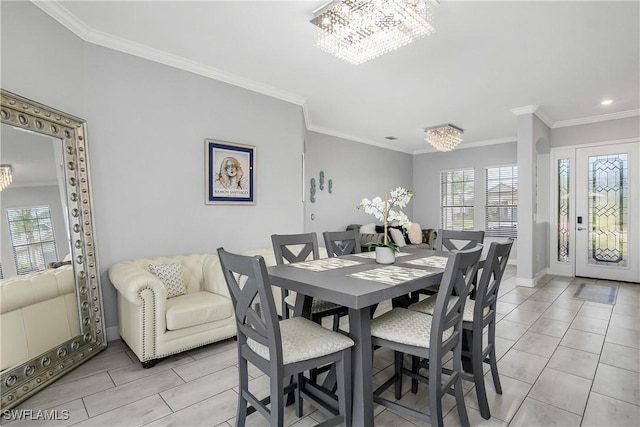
[[359, 30], [444, 137], [5, 176]]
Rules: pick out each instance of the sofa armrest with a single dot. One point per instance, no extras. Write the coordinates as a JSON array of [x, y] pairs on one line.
[[129, 280], [429, 236]]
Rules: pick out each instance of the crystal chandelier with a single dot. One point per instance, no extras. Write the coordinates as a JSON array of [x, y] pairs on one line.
[[359, 30], [5, 176], [444, 137]]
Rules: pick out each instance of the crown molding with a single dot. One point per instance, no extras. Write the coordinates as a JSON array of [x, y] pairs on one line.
[[528, 109], [337, 134], [474, 144], [596, 119], [58, 12], [535, 110], [544, 118]]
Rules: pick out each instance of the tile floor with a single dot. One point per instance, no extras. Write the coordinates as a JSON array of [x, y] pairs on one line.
[[563, 362]]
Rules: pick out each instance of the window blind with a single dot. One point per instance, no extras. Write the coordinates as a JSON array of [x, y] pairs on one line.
[[456, 199], [501, 208]]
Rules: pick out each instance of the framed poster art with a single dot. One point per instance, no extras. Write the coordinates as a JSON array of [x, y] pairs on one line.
[[230, 173]]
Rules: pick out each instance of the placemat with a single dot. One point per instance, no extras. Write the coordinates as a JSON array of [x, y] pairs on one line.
[[391, 275], [431, 261], [372, 254], [325, 264]]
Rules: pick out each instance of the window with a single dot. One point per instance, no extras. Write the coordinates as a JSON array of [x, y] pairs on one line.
[[502, 202], [456, 199], [31, 231]]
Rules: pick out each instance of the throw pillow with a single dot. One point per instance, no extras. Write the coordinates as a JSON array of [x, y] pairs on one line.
[[397, 237], [171, 277], [368, 229], [403, 231], [415, 233]]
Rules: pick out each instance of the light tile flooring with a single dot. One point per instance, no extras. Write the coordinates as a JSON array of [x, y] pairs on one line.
[[563, 361]]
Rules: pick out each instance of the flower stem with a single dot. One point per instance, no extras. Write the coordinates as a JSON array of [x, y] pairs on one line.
[[384, 218]]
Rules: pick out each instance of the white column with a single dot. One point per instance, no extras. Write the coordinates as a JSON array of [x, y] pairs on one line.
[[532, 132]]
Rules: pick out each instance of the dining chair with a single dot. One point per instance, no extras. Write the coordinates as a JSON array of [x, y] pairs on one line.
[[449, 241], [432, 338], [290, 248], [479, 314], [282, 349], [452, 240], [342, 242]]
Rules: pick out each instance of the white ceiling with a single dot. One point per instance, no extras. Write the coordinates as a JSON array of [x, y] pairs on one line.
[[485, 59]]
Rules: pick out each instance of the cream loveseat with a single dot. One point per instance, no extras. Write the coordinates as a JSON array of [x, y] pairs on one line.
[[38, 311], [155, 326]]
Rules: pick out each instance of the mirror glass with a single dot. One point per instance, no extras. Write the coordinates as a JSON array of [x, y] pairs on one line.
[[50, 300], [35, 237]]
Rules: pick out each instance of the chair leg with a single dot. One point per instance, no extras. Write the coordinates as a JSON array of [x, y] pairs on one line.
[[435, 392], [297, 395], [277, 401], [149, 363], [492, 357], [459, 392], [462, 409], [398, 362], [415, 368], [478, 377], [343, 368], [241, 413], [336, 322]]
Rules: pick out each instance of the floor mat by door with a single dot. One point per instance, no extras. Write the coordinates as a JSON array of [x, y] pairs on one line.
[[605, 294]]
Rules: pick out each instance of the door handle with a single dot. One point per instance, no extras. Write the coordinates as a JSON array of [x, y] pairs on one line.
[[580, 228]]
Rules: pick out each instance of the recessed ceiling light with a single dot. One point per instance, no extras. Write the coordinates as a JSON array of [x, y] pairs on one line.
[[607, 102]]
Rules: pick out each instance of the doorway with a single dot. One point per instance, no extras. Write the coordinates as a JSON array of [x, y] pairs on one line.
[[607, 239], [597, 204]]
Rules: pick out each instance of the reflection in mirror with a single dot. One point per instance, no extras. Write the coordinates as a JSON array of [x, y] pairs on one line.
[[34, 204], [50, 301], [35, 249]]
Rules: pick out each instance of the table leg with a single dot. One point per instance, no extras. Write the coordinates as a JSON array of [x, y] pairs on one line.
[[361, 366]]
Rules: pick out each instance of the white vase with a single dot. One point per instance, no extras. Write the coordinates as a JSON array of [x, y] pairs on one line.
[[385, 255]]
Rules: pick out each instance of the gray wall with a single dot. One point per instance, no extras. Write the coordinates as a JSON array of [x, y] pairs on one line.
[[611, 130], [41, 59], [426, 181], [146, 129], [426, 178], [357, 170]]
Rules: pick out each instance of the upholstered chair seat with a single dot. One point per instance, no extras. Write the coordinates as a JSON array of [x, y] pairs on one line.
[[303, 339], [317, 305], [405, 327], [196, 308], [428, 305]]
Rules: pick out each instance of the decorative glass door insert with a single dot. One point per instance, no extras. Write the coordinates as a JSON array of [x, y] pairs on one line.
[[608, 214], [607, 232]]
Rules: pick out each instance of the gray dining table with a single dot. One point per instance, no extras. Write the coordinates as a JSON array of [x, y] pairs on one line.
[[337, 282]]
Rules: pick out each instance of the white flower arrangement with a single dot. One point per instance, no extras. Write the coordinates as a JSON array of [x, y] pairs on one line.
[[386, 211]]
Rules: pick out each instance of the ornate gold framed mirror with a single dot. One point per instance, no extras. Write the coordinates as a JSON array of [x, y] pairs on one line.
[[38, 357]]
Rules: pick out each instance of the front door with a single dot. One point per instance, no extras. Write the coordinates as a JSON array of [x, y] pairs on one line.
[[607, 221]]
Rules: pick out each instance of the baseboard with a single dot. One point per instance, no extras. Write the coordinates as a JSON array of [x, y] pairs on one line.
[[531, 283], [112, 333]]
